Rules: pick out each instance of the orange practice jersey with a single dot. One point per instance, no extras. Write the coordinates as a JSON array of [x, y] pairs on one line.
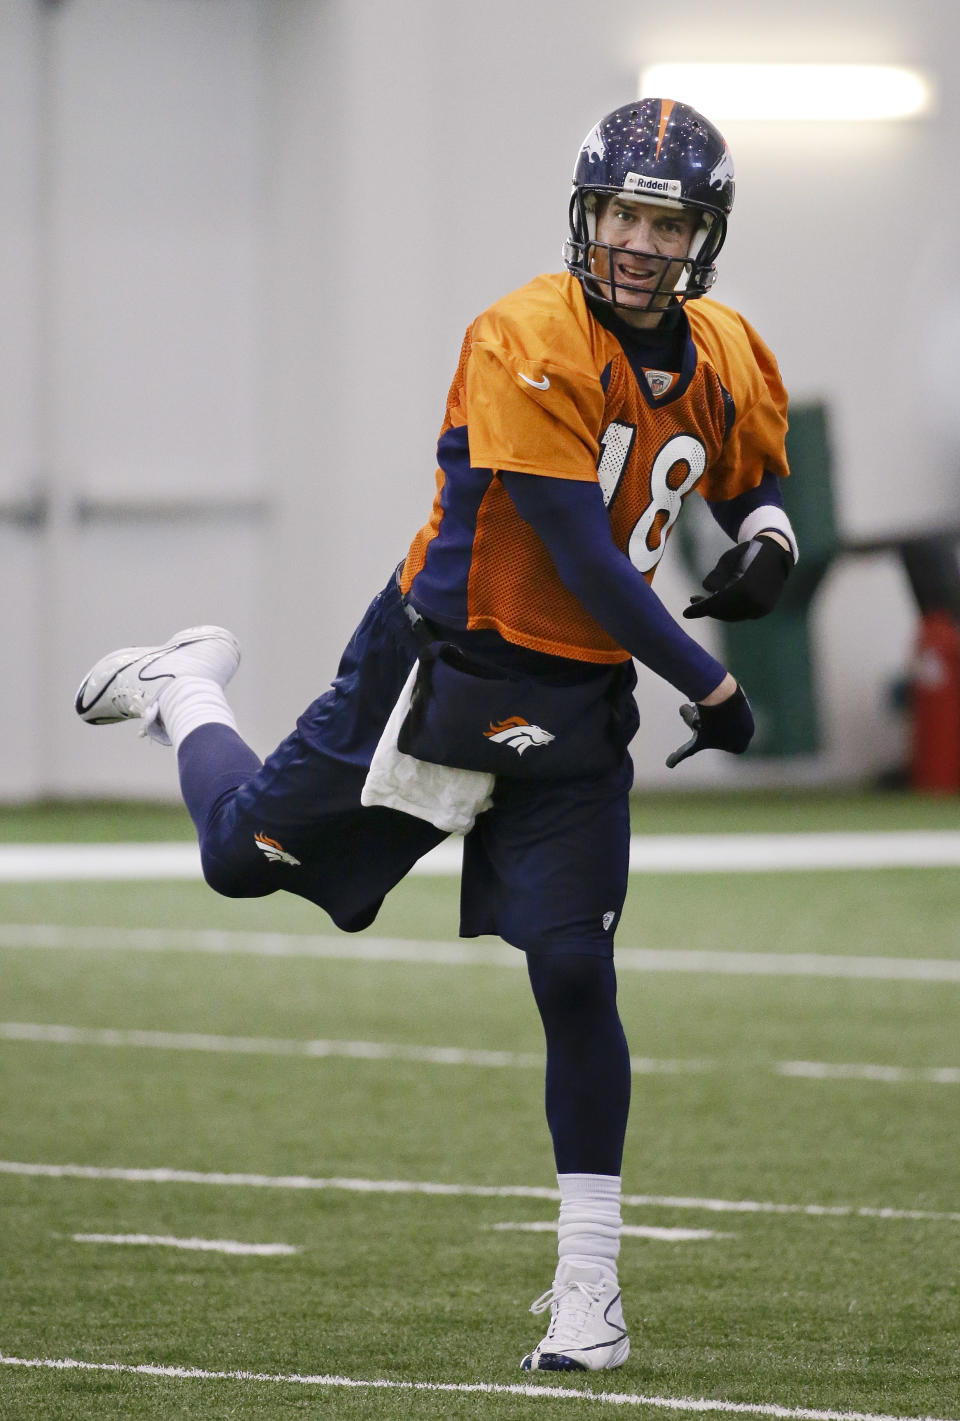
[[543, 388]]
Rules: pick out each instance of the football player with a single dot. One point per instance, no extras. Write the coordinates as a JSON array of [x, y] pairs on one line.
[[493, 674]]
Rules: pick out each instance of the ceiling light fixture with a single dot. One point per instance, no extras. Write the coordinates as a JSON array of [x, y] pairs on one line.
[[804, 92]]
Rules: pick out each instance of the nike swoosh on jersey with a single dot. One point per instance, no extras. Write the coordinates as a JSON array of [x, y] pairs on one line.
[[543, 384]]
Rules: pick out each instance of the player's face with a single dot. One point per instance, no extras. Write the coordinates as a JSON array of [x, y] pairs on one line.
[[653, 240]]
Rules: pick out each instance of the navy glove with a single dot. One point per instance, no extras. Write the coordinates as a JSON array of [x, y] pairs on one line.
[[726, 726], [745, 583]]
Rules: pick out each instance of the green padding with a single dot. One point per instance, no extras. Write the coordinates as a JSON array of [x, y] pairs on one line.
[[773, 656], [808, 492], [772, 659]]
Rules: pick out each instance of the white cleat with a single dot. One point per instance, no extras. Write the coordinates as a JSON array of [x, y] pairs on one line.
[[587, 1332], [126, 684]]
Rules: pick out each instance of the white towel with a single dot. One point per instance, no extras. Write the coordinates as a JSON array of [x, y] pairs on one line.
[[451, 799]]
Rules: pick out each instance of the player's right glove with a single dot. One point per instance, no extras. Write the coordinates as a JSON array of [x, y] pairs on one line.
[[726, 726]]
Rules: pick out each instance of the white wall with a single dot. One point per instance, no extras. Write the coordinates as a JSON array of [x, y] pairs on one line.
[[242, 239], [20, 413], [136, 219]]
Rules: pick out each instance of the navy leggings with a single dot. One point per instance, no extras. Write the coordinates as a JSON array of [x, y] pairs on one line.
[[588, 1062]]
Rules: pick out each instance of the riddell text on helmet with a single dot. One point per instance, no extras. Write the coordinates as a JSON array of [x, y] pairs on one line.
[[636, 182]]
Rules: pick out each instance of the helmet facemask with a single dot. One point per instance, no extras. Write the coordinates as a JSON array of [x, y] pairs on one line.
[[697, 272]]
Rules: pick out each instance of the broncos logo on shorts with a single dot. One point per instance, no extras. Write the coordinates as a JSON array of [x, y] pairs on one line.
[[274, 851], [518, 733]]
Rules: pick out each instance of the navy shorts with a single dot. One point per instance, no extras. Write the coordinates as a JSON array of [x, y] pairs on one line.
[[545, 868]]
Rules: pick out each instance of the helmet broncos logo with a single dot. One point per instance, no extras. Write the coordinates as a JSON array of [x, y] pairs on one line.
[[723, 172], [593, 144], [518, 733]]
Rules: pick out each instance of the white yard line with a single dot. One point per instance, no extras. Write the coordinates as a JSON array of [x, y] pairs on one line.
[[57, 863], [60, 1035], [196, 1245], [217, 941], [271, 1046], [777, 853], [649, 853], [447, 1190], [892, 1075], [57, 1035], [663, 1235], [698, 1405]]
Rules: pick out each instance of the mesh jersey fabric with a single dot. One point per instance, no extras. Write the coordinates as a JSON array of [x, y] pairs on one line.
[[542, 387]]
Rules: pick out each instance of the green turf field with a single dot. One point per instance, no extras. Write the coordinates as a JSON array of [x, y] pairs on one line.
[[827, 1274], [743, 811]]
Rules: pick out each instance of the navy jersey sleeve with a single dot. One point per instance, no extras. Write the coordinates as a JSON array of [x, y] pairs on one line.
[[571, 520]]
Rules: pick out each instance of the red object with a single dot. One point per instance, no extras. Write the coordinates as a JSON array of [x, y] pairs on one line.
[[935, 705]]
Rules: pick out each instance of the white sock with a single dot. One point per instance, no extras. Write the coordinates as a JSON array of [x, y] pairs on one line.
[[189, 702], [589, 1228]]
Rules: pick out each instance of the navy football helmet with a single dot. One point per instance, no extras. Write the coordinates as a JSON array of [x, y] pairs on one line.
[[660, 151]]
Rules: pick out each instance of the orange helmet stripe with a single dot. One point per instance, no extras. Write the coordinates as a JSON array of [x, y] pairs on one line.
[[666, 109]]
